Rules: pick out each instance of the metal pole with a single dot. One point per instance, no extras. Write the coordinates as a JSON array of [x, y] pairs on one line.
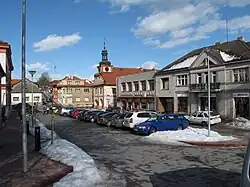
[[24, 136], [208, 70], [32, 100]]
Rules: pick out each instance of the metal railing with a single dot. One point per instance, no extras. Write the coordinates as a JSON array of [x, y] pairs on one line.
[[204, 86]]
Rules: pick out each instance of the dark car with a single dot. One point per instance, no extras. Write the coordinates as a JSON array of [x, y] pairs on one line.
[[82, 114], [89, 116], [97, 116], [117, 120], [105, 118]]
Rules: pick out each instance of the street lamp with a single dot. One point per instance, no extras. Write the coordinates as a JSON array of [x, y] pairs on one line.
[[32, 73]]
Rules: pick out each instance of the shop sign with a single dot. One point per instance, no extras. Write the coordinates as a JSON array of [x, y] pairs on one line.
[[206, 95], [182, 95], [241, 95]]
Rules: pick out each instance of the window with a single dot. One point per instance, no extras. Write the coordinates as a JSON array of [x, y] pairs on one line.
[[69, 82], [143, 85], [114, 91], [86, 90], [136, 85], [143, 115], [165, 83], [27, 99], [64, 90], [96, 90], [78, 99], [100, 91], [77, 82], [181, 80], [15, 98], [86, 99], [151, 84], [36, 98], [205, 77], [77, 90], [69, 90], [213, 77], [129, 86], [123, 87], [241, 75], [199, 78]]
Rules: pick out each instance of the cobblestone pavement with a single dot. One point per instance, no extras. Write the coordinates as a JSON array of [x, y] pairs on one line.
[[147, 164]]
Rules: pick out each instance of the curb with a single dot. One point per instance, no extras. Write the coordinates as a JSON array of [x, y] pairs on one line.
[[228, 144]]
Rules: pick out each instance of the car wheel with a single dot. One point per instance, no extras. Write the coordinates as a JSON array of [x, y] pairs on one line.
[[204, 123], [152, 130], [92, 120], [180, 128], [64, 114], [108, 123]]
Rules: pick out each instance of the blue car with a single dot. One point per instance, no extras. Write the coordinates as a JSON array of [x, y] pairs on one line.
[[163, 122]]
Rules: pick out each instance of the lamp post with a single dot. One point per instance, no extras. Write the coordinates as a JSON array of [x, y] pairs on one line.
[[24, 133], [32, 73]]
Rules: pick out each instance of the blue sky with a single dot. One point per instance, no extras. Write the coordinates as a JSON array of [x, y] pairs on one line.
[[69, 34]]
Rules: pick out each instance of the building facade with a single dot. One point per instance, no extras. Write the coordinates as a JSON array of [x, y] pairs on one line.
[[104, 85], [16, 93], [182, 86], [73, 91], [6, 69], [137, 91]]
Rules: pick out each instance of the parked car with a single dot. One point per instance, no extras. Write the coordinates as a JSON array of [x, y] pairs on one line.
[[89, 116], [97, 115], [201, 118], [66, 111], [118, 120], [81, 116], [134, 118], [105, 118], [162, 123], [75, 113]]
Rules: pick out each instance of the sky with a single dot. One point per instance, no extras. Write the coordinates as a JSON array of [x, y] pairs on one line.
[[65, 37]]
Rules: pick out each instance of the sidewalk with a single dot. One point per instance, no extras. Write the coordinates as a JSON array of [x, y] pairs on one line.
[[42, 171]]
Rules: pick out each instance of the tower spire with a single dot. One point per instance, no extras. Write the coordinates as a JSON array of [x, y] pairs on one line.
[[104, 44], [104, 52]]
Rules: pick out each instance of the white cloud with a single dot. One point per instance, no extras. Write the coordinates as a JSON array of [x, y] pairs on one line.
[[150, 65], [95, 66], [52, 42], [38, 66]]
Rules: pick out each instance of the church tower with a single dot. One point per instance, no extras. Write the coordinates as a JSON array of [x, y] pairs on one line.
[[105, 65]]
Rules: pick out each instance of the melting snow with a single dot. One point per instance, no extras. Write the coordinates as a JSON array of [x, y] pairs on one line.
[[189, 134], [184, 64], [240, 122], [226, 57]]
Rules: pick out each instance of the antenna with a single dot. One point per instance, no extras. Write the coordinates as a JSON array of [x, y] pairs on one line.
[[227, 28]]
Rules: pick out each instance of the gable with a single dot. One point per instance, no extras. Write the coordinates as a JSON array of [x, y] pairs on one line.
[[18, 87], [201, 61]]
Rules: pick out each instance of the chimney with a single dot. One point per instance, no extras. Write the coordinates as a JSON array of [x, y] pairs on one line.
[[217, 43], [241, 38]]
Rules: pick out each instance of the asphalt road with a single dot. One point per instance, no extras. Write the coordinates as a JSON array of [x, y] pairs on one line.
[[149, 164]]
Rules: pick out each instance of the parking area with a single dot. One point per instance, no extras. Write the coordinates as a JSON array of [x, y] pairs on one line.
[[144, 163]]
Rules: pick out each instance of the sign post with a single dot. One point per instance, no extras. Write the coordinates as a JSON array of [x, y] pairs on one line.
[[52, 127]]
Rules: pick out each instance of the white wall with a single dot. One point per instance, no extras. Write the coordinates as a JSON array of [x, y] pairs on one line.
[[19, 95], [3, 61]]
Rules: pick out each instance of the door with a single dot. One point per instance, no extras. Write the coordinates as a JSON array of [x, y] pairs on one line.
[[242, 107], [169, 105]]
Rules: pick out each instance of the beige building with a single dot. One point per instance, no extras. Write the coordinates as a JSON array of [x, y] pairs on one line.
[[104, 85], [73, 91]]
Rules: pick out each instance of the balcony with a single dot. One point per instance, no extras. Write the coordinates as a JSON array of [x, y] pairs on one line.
[[204, 87]]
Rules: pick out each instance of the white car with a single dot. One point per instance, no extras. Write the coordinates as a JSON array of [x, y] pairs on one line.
[[201, 118], [65, 111], [133, 118]]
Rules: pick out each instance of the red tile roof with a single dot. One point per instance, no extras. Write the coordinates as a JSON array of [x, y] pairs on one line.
[[72, 77], [7, 47], [14, 81], [110, 77]]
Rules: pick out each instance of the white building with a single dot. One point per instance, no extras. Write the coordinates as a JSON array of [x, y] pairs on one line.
[[16, 94]]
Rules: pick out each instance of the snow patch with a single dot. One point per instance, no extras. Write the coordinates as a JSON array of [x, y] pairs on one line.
[[226, 57], [189, 134], [240, 122], [184, 64]]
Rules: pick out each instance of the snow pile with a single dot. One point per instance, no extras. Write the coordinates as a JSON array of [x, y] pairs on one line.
[[226, 57], [85, 173], [240, 122], [184, 64], [189, 134], [44, 132]]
